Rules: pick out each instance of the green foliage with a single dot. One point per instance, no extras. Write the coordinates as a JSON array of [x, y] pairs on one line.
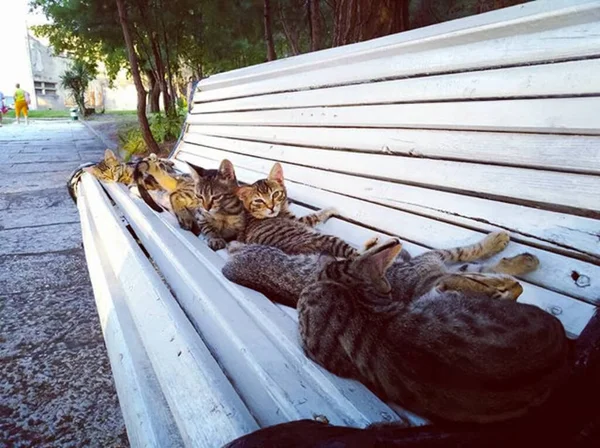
[[76, 79], [166, 128], [131, 141]]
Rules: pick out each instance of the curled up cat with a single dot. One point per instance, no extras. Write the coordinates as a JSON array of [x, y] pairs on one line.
[[445, 354]]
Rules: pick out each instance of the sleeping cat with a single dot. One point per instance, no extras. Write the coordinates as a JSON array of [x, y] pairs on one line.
[[112, 169], [203, 201], [269, 221], [444, 354], [220, 213], [282, 277]]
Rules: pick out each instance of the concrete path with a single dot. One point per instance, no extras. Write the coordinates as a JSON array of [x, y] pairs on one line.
[[56, 387]]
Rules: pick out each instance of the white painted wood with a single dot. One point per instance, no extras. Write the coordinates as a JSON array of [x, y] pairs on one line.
[[555, 115], [146, 413], [507, 21], [320, 189], [207, 410], [253, 341], [572, 153], [568, 78], [541, 187], [451, 55]]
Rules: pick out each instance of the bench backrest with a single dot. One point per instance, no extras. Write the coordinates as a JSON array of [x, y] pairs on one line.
[[437, 135]]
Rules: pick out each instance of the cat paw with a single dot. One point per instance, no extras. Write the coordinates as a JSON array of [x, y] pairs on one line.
[[519, 264], [509, 289], [328, 213], [216, 243], [496, 242]]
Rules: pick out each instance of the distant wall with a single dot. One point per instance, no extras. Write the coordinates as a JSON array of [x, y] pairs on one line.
[[47, 70]]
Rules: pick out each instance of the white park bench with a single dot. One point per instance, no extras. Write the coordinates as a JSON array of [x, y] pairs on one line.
[[437, 135]]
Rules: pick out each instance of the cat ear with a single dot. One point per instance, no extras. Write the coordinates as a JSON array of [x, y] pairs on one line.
[[110, 156], [378, 259], [244, 192], [226, 170], [276, 173], [192, 171]]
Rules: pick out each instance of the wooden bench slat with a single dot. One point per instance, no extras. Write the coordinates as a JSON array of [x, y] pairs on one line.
[[567, 79], [496, 22], [570, 153], [544, 188], [555, 272], [561, 43], [206, 408], [146, 413], [272, 374], [554, 115]]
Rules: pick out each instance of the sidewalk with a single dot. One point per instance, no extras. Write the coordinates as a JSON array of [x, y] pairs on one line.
[[56, 387]]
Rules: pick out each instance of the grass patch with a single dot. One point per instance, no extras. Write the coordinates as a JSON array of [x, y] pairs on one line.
[[42, 114], [120, 112]]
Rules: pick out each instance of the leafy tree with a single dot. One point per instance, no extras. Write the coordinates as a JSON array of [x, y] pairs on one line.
[[76, 79]]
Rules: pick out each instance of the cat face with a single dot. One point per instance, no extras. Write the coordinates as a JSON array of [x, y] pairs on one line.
[[265, 198], [216, 190], [111, 169], [366, 273]]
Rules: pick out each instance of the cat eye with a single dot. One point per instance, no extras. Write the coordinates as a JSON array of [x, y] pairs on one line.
[[218, 197], [277, 194], [258, 201]]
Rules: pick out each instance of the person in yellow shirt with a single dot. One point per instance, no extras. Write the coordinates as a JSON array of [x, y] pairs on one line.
[[21, 104]]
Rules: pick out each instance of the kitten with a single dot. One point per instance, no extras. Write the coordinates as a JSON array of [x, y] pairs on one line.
[[220, 213], [112, 169], [270, 222], [444, 354], [282, 277]]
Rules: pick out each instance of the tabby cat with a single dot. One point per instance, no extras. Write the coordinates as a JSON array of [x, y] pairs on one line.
[[282, 277], [203, 201], [221, 215], [270, 222], [443, 354], [112, 169]]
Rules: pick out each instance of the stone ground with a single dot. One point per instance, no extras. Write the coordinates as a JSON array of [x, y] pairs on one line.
[[56, 387]]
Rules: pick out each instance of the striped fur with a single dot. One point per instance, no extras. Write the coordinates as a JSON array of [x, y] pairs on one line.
[[443, 354], [220, 213], [270, 222], [112, 169]]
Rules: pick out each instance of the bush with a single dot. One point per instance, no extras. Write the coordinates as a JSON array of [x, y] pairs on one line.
[[76, 79], [132, 142], [166, 128]]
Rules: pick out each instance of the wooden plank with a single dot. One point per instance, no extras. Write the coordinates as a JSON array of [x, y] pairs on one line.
[[207, 410], [550, 41], [567, 79], [260, 353], [571, 153], [559, 273], [541, 227], [148, 419], [555, 115], [506, 22]]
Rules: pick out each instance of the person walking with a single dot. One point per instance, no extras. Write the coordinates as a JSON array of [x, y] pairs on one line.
[[3, 109], [21, 104]]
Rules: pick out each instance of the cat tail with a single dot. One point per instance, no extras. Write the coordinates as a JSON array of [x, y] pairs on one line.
[[138, 177]]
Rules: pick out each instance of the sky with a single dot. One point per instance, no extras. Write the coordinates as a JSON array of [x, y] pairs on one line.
[[14, 63]]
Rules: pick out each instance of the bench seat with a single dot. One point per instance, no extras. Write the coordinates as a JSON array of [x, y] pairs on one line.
[[437, 136]]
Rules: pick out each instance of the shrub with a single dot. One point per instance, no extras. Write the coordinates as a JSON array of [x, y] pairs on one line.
[[166, 128], [76, 79], [132, 142]]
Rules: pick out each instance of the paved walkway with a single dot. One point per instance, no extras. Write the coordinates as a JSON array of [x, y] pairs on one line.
[[56, 387]]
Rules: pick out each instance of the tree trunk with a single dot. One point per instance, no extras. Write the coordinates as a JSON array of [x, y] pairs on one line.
[[360, 20], [137, 80], [271, 56], [154, 93], [315, 24], [161, 73]]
